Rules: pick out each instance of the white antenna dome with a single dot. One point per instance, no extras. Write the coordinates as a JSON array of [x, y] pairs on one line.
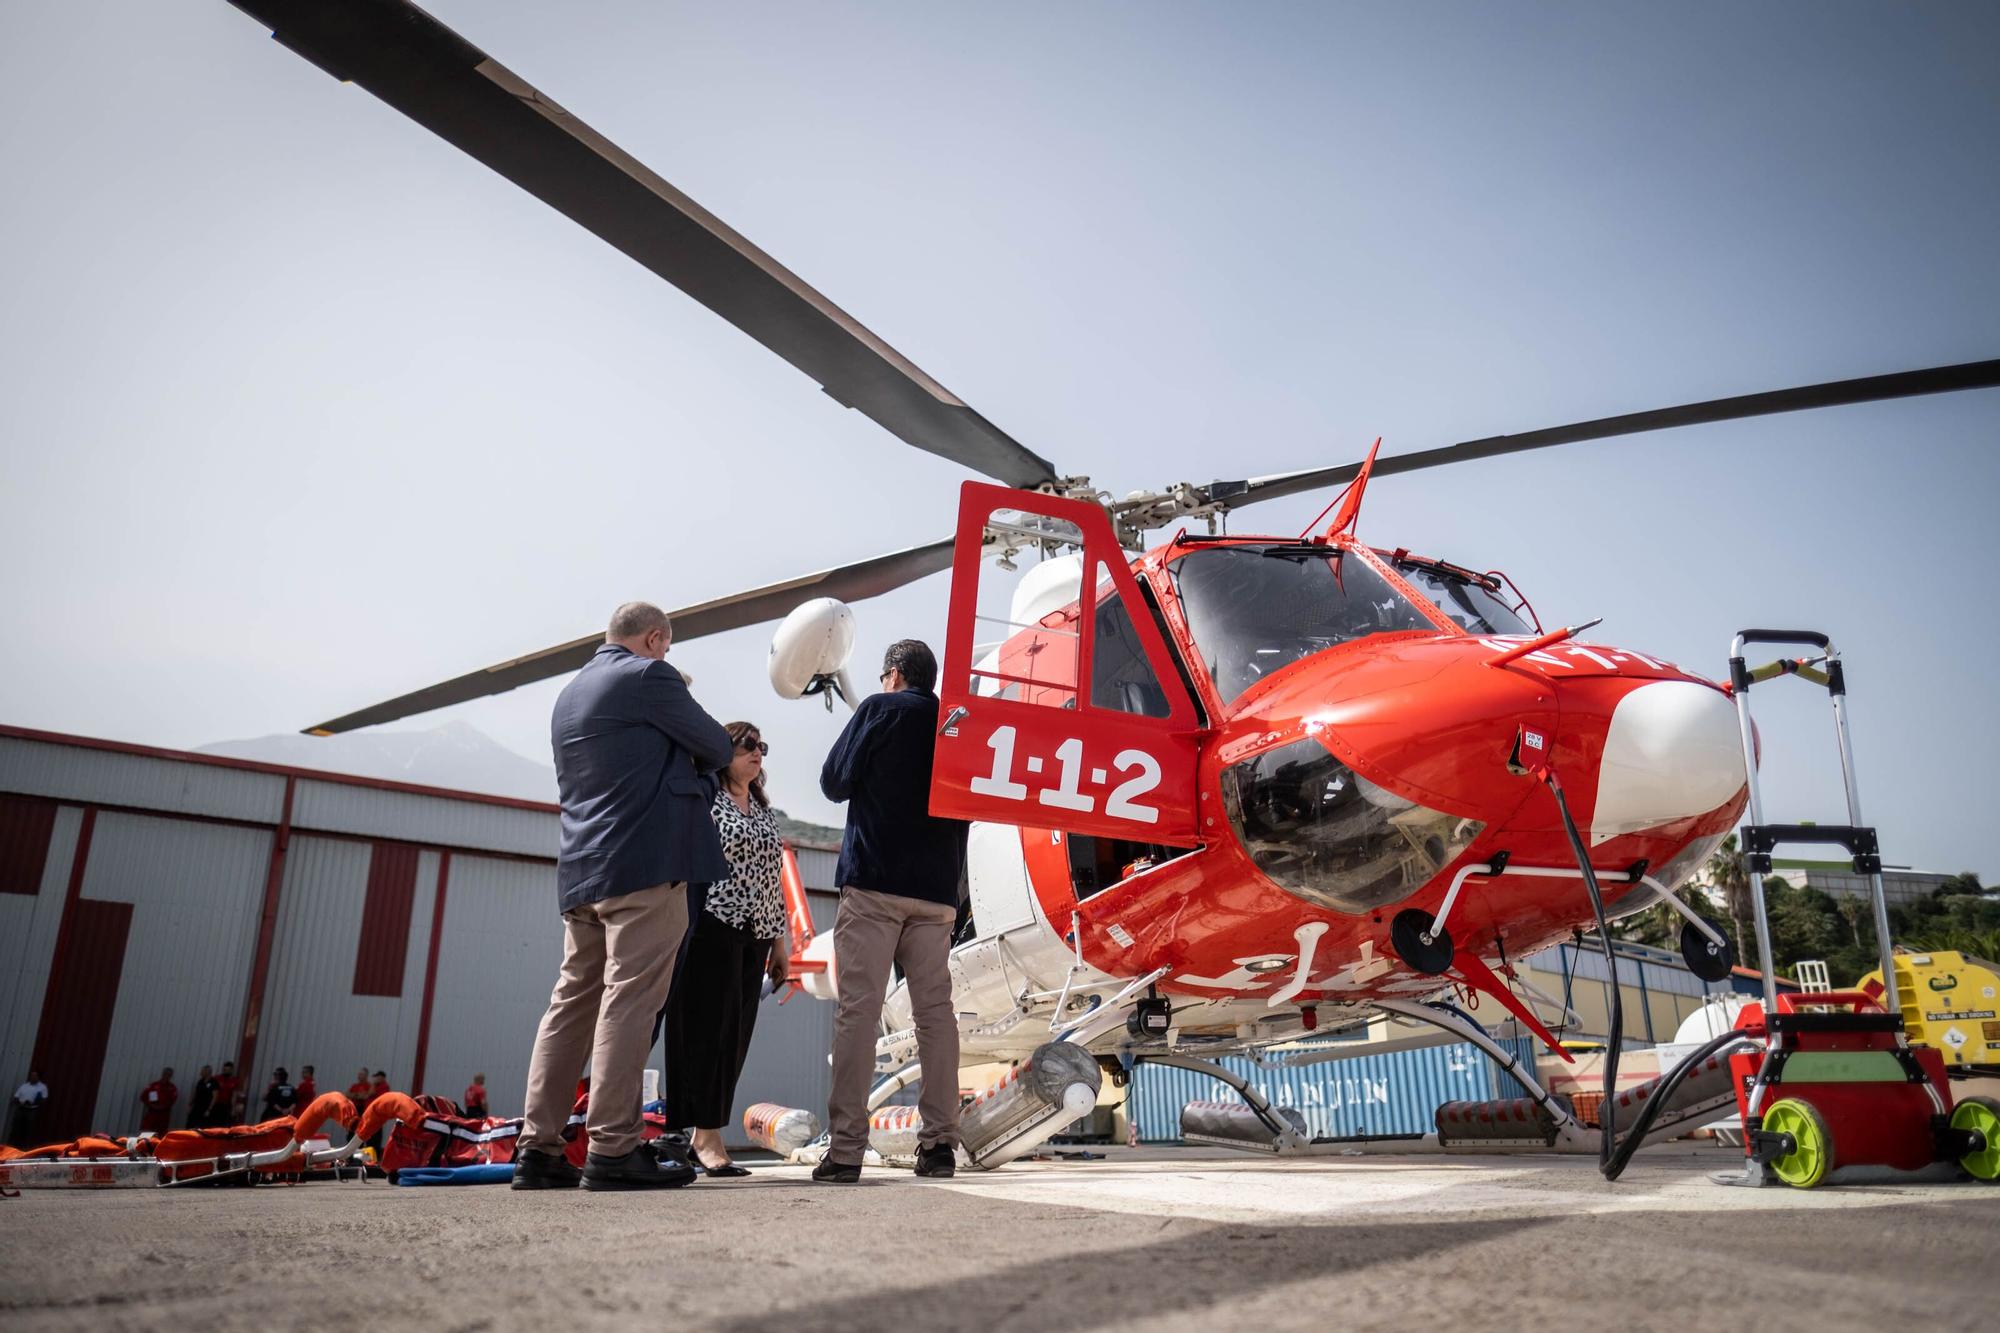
[[814, 641]]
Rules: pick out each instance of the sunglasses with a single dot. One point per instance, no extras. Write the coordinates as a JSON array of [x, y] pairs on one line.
[[746, 746]]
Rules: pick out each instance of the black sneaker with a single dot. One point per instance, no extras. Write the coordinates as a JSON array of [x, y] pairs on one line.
[[830, 1172], [937, 1162], [640, 1169], [537, 1170]]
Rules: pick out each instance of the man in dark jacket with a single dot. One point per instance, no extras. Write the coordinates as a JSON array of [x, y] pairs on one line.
[[899, 873], [631, 748], [202, 1098]]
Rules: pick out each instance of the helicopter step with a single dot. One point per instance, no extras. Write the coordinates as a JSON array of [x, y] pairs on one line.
[[1503, 1126], [1519, 1123], [1236, 1125], [1028, 1106], [1538, 1122]]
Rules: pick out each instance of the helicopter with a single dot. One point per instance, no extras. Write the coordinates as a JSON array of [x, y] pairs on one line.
[[1225, 790]]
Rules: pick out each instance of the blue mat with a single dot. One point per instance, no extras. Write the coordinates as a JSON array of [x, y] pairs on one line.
[[497, 1173]]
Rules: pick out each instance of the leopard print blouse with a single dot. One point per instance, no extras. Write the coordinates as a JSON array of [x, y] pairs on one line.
[[753, 897]]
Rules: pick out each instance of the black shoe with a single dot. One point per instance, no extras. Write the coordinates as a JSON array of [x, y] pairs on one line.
[[537, 1170], [938, 1162], [830, 1172], [723, 1172], [640, 1169]]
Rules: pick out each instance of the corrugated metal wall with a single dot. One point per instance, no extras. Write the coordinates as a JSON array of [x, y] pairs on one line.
[[435, 820], [83, 774], [816, 868], [196, 890], [497, 963], [312, 1015], [28, 927], [1392, 1093]]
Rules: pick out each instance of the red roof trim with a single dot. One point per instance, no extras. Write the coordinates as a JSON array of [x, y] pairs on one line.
[[276, 770]]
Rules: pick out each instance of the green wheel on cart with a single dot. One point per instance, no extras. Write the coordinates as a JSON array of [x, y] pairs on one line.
[[1812, 1157], [1981, 1114]]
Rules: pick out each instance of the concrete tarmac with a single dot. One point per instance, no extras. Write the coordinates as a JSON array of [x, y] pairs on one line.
[[1147, 1238]]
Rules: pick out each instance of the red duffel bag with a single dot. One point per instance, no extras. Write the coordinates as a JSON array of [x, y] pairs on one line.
[[442, 1135]]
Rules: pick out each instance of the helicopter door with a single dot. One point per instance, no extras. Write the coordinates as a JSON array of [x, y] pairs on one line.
[[1060, 705]]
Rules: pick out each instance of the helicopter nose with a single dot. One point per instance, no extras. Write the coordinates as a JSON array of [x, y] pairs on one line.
[[1423, 718], [1672, 751]]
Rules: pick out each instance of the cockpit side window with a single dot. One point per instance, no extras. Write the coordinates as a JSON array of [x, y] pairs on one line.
[[1121, 678], [1467, 599]]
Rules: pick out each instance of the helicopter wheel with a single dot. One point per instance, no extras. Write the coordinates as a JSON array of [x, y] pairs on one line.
[[1406, 936], [1704, 957]]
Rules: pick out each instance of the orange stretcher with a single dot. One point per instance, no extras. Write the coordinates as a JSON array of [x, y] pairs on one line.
[[279, 1148]]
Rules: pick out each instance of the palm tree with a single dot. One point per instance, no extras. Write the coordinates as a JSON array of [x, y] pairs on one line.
[[1983, 945], [1725, 871]]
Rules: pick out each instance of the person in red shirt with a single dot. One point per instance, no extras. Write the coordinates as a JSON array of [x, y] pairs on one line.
[[307, 1088], [357, 1091], [158, 1099], [223, 1110], [475, 1096]]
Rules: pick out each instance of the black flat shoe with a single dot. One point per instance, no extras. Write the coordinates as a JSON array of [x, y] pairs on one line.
[[723, 1172]]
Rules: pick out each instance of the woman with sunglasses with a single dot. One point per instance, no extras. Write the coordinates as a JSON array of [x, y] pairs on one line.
[[738, 940]]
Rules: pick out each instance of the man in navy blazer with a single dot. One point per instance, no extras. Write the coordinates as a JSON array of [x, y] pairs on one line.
[[632, 748]]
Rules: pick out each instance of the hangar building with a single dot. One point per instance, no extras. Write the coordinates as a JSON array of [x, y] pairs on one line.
[[164, 908]]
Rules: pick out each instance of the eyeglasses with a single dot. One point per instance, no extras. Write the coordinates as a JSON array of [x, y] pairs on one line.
[[748, 746]]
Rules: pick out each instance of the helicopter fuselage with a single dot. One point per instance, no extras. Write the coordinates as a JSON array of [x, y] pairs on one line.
[[1331, 789]]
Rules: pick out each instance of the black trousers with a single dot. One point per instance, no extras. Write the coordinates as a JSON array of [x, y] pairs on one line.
[[710, 1018]]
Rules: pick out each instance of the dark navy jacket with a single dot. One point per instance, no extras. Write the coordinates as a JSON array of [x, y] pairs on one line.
[[631, 748], [881, 766]]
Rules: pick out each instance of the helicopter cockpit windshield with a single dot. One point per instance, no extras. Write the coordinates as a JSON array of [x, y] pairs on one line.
[[1255, 608]]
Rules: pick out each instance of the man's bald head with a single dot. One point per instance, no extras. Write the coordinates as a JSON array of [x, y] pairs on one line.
[[641, 627]]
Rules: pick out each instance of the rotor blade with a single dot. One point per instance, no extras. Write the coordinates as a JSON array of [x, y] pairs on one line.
[[444, 83], [849, 583], [1839, 393]]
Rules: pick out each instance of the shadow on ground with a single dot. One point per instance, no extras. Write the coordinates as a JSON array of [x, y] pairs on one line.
[[1188, 1270]]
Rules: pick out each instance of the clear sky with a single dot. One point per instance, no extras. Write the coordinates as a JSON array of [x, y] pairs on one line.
[[302, 408]]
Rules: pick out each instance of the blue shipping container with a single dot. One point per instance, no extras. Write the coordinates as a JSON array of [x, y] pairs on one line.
[[1393, 1093]]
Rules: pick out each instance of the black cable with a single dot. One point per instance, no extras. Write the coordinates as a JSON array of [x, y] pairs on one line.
[[1643, 1122], [1609, 1161], [1607, 1115]]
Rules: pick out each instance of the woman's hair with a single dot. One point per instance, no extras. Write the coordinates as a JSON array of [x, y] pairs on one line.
[[738, 731]]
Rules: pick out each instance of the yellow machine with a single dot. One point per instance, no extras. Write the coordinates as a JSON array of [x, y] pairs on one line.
[[1951, 1003]]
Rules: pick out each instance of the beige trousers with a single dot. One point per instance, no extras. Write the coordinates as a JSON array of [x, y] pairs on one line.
[[618, 961], [872, 931]]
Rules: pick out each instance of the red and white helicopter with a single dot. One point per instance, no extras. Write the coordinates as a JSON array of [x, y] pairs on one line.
[[1229, 790]]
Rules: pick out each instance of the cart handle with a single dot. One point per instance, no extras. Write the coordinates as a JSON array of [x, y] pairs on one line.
[[1811, 636]]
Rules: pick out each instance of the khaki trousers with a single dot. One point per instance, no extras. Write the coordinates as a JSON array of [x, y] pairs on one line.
[[618, 961], [872, 931]]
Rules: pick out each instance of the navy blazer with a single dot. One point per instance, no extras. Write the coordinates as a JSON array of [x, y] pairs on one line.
[[632, 747], [881, 766]]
